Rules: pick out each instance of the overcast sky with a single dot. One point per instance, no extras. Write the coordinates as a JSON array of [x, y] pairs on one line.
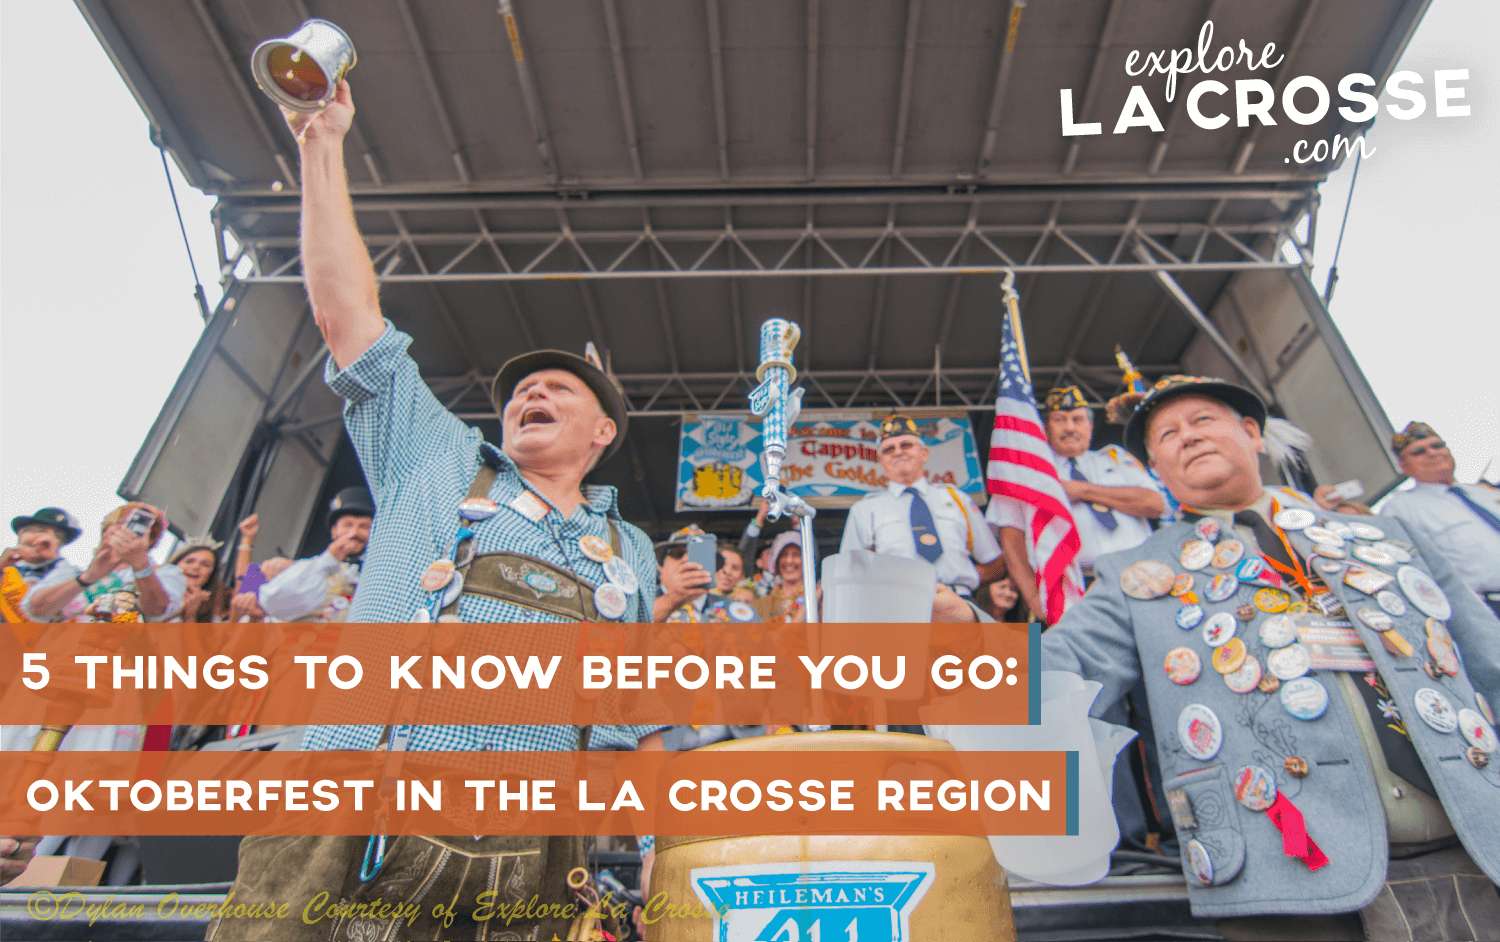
[[97, 315]]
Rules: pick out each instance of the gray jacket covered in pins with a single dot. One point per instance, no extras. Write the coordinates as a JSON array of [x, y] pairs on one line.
[[1115, 639]]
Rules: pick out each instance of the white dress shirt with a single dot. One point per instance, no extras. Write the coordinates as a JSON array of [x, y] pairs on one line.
[[1470, 544], [1110, 466], [881, 522]]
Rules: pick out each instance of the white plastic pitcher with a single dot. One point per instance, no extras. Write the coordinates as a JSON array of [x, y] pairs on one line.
[[861, 586], [1066, 725]]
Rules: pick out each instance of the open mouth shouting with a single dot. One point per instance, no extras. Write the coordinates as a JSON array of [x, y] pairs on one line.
[[535, 415]]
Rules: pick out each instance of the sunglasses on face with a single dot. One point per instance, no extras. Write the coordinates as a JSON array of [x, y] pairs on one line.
[[1417, 451]]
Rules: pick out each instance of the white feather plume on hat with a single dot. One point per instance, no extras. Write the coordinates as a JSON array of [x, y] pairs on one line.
[[1286, 445]]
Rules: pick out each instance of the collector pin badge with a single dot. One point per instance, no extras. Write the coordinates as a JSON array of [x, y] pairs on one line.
[[437, 575], [1278, 631], [1228, 553], [1182, 585], [1295, 518], [1368, 581], [1304, 698], [1183, 665], [609, 600], [1435, 710], [477, 508], [1394, 550], [1246, 677], [1391, 602], [1423, 591], [1250, 568], [1208, 529], [1366, 531], [1221, 587], [1200, 863], [1189, 616], [1272, 601], [617, 571], [595, 548], [1255, 787], [1219, 628], [1196, 554], [1323, 536], [1147, 579], [1373, 555], [1200, 732], [1476, 731], [1290, 662], [1229, 656]]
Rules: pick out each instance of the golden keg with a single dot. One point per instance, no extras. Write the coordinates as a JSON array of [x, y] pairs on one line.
[[966, 899]]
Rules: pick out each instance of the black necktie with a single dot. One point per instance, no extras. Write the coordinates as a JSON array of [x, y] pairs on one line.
[[1106, 517], [1479, 510], [1270, 544], [923, 529], [1400, 755]]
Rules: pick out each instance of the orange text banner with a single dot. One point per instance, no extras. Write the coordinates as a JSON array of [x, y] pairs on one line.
[[704, 793], [673, 674]]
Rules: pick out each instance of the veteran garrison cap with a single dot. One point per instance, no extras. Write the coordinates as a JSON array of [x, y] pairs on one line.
[[896, 425], [589, 369], [1065, 399], [1414, 432], [1167, 388]]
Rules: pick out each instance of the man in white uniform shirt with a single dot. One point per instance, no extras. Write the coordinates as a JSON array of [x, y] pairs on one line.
[[915, 519], [1462, 520], [320, 588], [1113, 496]]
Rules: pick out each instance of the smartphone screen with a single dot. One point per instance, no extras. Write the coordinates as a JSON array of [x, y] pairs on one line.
[[139, 522], [704, 551]]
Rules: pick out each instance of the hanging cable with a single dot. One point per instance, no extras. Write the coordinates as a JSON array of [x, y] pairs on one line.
[[1333, 269], [197, 284]]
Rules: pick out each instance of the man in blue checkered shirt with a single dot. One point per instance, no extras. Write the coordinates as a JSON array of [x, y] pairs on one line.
[[560, 416]]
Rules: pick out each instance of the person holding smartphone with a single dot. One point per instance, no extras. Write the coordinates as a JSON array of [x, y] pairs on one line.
[[689, 562], [121, 583]]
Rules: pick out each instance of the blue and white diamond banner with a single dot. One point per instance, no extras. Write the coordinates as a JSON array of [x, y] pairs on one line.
[[832, 458], [814, 901]]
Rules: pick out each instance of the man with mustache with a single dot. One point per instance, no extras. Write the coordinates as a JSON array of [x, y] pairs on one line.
[[1462, 520], [320, 589], [1321, 690], [467, 532], [1113, 497]]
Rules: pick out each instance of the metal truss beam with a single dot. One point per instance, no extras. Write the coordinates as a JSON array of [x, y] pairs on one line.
[[570, 253], [675, 392]]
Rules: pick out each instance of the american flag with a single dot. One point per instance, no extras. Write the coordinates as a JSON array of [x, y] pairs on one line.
[[1021, 468]]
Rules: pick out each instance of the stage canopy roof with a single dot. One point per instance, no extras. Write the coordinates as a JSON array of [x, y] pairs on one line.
[[661, 177]]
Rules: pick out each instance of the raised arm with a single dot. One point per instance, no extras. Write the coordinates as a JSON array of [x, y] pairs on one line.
[[340, 276]]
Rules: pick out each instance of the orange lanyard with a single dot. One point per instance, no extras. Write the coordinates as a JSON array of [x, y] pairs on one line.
[[1297, 573]]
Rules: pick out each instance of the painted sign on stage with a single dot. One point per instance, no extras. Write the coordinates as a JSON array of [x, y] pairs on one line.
[[832, 458]]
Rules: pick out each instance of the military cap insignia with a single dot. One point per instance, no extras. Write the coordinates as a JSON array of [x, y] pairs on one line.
[[1065, 398], [898, 424], [1414, 432]]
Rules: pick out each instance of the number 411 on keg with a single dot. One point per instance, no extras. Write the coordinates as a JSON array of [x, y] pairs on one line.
[[814, 901]]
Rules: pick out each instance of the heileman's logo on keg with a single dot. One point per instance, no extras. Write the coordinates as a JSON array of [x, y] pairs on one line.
[[825, 901]]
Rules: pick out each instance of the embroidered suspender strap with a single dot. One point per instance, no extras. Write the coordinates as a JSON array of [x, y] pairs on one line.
[[521, 579], [531, 583], [484, 479]]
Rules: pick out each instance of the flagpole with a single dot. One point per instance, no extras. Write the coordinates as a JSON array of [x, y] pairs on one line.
[[1013, 311]]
